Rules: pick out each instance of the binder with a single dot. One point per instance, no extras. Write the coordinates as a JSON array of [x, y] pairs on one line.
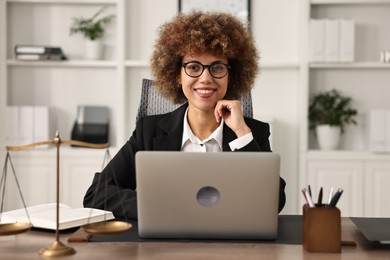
[[377, 130], [387, 130], [11, 125], [347, 40], [26, 119], [331, 40], [28, 124], [41, 128], [316, 40]]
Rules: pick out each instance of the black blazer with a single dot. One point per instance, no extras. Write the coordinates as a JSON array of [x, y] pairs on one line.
[[158, 133]]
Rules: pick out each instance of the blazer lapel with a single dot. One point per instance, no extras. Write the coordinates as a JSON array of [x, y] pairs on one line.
[[170, 131], [228, 136]]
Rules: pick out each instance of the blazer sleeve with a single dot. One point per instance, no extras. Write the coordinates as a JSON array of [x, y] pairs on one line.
[[114, 188]]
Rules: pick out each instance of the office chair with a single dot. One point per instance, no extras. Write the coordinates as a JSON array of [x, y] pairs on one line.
[[153, 103]]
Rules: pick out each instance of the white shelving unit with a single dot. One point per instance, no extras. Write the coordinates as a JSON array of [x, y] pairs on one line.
[[281, 92], [355, 65], [63, 85], [53, 83], [366, 80], [63, 64]]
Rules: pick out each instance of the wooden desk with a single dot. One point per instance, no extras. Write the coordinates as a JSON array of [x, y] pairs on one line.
[[27, 246]]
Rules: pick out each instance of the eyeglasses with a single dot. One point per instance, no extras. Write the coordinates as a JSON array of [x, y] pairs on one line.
[[217, 69]]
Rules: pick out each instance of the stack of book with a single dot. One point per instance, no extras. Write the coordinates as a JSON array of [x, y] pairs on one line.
[[38, 52]]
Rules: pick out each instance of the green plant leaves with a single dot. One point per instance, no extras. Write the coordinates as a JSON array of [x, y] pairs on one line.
[[91, 28], [332, 108]]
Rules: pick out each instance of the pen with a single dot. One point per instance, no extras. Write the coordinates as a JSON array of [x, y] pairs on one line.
[[330, 196], [309, 189], [319, 202], [336, 198], [304, 195], [309, 199]]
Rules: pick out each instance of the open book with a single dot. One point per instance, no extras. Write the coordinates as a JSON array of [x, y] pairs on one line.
[[44, 216]]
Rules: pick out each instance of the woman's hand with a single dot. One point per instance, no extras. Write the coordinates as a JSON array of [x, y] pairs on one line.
[[230, 111]]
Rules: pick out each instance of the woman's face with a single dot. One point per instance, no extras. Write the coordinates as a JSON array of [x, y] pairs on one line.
[[204, 91]]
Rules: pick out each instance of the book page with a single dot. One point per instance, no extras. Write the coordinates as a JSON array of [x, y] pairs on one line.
[[70, 218], [70, 214], [20, 214], [45, 216], [6, 219]]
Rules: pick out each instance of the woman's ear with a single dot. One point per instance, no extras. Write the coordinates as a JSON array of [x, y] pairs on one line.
[[178, 79]]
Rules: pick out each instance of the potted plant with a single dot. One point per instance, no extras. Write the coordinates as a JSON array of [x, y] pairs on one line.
[[329, 113], [93, 30]]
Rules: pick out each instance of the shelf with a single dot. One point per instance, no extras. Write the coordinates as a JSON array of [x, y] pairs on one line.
[[279, 65], [325, 2], [64, 64], [358, 65], [346, 155], [137, 64], [63, 1]]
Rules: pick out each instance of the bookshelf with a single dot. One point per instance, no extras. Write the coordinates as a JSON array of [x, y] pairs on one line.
[[287, 78], [352, 167], [63, 85]]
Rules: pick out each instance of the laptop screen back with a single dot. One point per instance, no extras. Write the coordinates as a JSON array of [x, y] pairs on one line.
[[227, 195]]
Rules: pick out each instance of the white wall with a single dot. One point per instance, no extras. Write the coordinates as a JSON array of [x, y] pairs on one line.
[[275, 25]]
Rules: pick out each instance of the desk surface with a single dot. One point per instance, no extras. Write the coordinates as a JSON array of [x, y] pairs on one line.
[[27, 246]]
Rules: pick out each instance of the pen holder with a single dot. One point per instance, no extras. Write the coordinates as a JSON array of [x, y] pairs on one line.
[[321, 229]]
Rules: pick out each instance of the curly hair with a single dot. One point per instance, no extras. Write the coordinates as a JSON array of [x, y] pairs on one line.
[[189, 34]]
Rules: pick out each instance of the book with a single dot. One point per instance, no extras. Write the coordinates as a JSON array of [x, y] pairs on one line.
[[34, 57], [36, 49], [38, 52], [44, 216]]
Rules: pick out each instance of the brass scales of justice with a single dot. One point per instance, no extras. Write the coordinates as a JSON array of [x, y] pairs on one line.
[[57, 248]]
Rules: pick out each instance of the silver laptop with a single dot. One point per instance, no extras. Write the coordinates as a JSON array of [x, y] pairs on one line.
[[227, 195]]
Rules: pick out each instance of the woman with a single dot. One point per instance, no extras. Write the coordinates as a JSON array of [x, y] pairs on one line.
[[207, 60]]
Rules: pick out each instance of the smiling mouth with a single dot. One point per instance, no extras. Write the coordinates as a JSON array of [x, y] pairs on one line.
[[205, 91]]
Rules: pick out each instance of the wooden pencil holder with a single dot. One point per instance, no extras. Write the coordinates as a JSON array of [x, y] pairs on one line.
[[321, 229]]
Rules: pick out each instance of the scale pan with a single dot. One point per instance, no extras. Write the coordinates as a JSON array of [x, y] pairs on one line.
[[14, 228], [107, 227]]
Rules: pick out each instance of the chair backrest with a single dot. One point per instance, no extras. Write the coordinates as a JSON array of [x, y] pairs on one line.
[[153, 103]]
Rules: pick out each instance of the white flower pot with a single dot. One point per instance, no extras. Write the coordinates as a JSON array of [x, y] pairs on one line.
[[94, 49], [328, 137]]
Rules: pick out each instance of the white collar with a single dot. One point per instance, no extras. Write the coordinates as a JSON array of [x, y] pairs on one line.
[[189, 135]]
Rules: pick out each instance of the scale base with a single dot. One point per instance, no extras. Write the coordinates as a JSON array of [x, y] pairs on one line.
[[57, 249]]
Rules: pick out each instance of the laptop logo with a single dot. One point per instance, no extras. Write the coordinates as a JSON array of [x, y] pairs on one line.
[[207, 196]]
